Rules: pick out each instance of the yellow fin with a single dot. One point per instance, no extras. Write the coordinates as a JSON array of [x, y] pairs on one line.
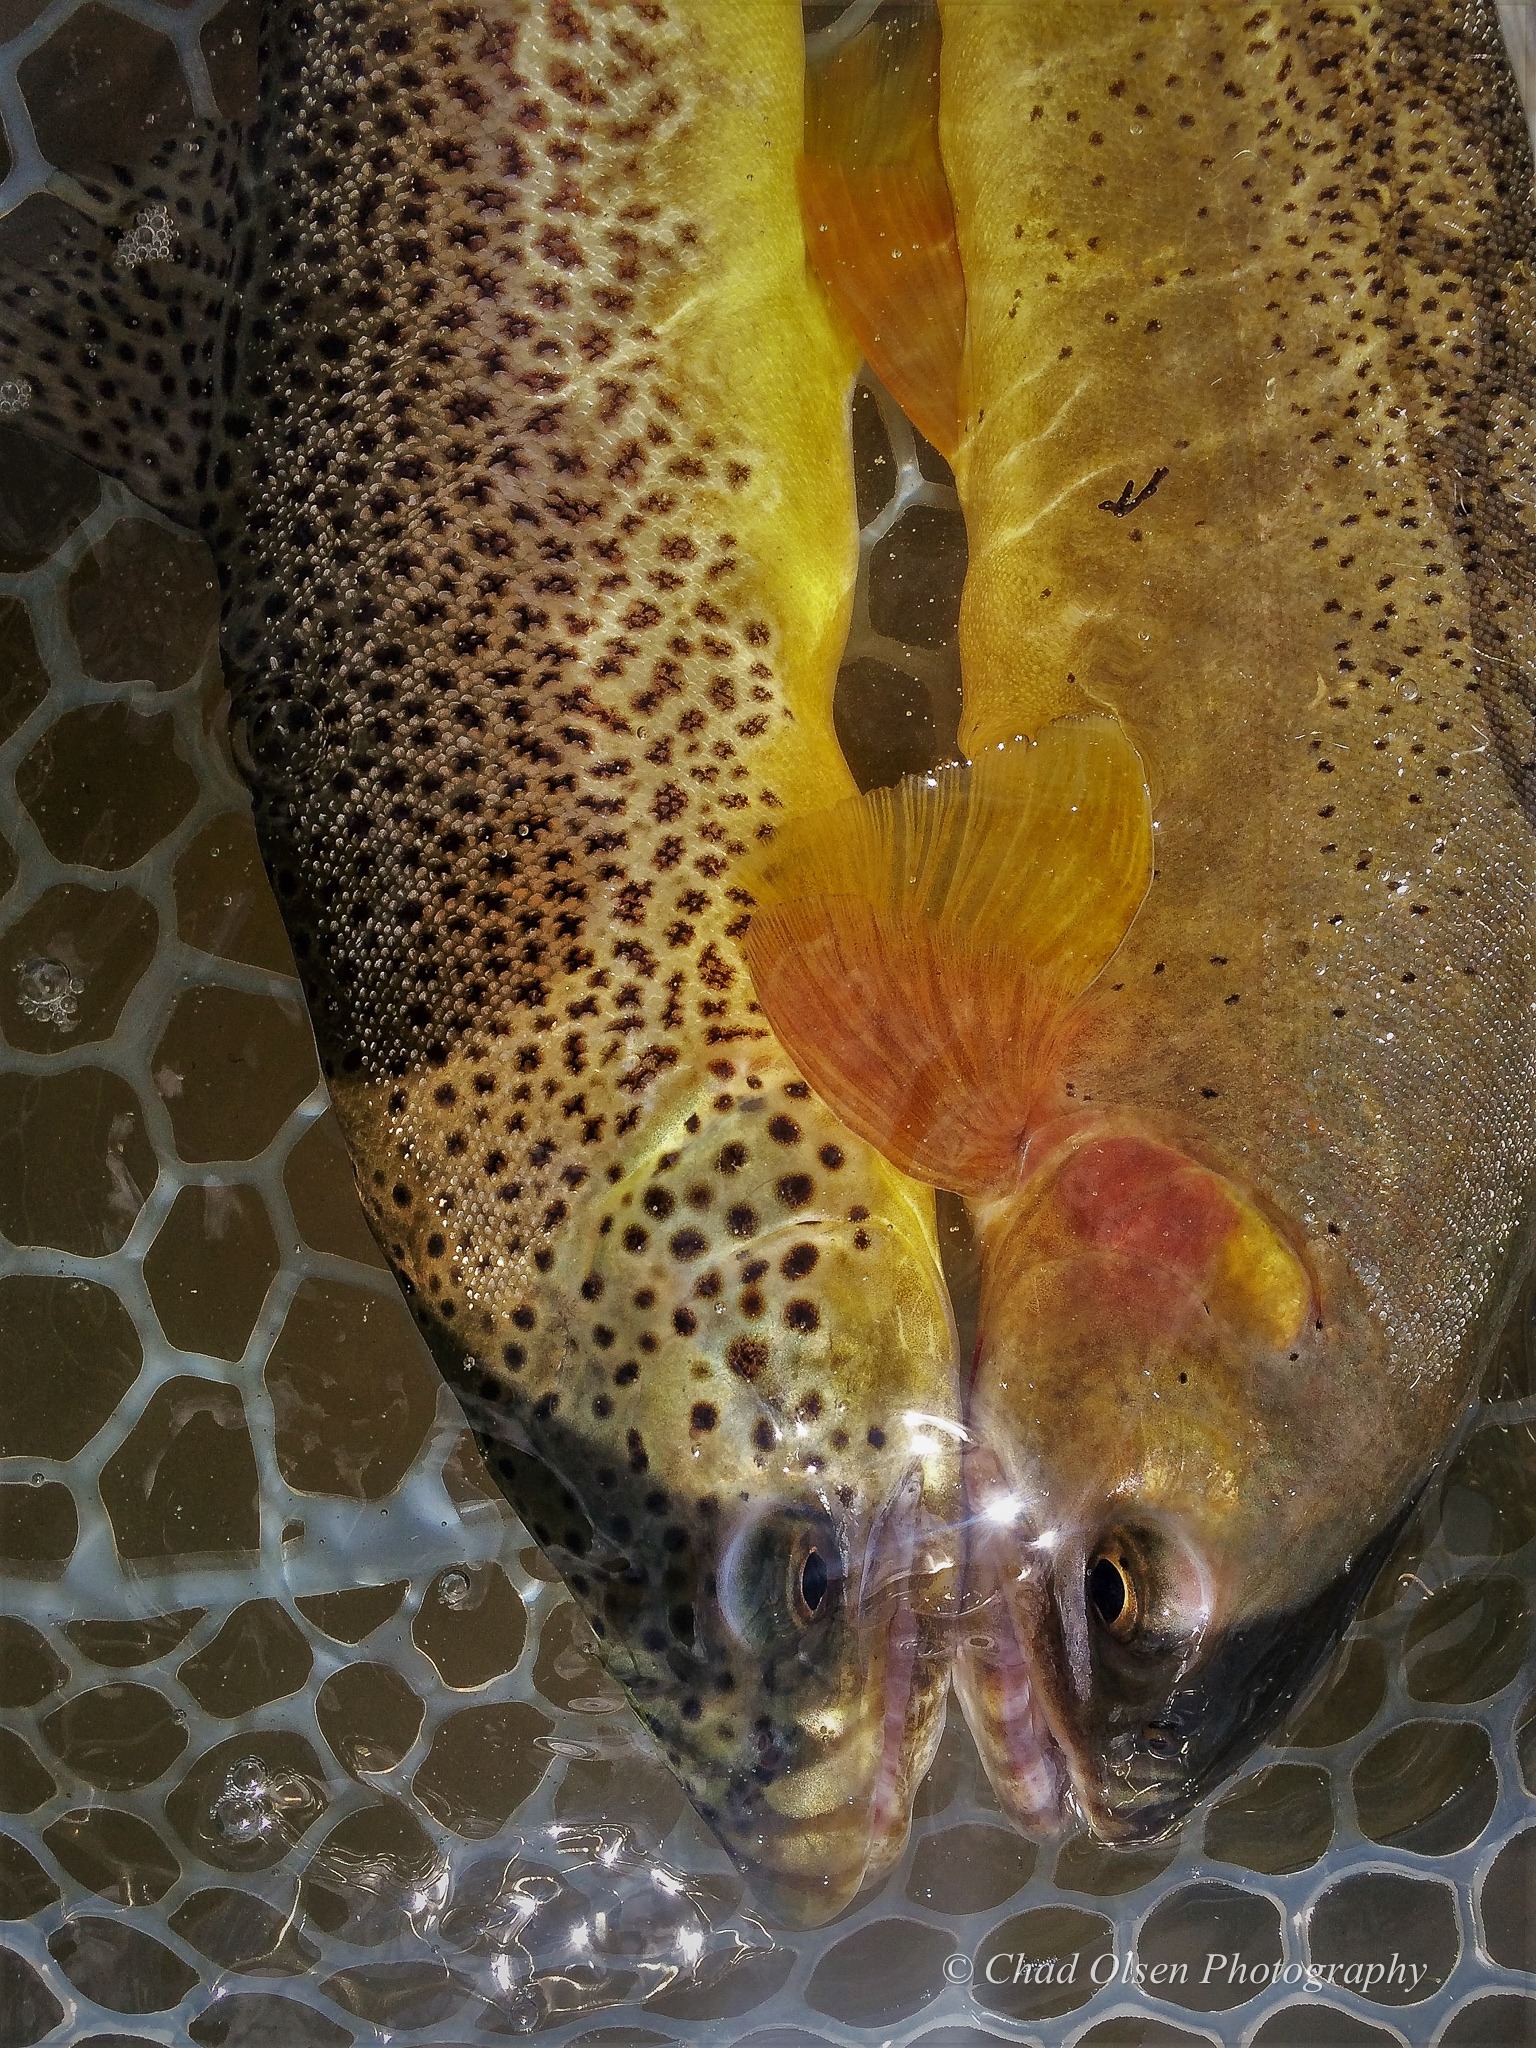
[[879, 222], [919, 950]]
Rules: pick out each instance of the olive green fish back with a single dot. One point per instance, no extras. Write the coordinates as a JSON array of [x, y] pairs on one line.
[[492, 536], [1464, 268]]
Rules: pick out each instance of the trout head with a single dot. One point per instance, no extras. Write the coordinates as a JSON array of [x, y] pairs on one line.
[[748, 1473], [1185, 1477]]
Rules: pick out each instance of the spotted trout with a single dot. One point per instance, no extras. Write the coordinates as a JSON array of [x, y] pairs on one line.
[[490, 366], [1208, 978]]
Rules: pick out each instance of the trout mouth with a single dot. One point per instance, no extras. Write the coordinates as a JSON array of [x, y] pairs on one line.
[[1004, 1685], [887, 1815], [902, 1757]]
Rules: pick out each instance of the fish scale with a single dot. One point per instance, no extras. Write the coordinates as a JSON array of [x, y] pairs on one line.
[[530, 490]]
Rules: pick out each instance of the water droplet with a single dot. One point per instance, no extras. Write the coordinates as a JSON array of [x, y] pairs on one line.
[[453, 1590]]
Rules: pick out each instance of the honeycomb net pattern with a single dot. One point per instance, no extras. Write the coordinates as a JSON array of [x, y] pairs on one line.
[[300, 1741]]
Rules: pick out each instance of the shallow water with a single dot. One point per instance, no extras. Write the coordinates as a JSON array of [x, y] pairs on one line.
[[299, 1740]]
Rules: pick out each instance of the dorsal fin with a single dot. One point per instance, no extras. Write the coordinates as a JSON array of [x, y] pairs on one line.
[[113, 291], [879, 223], [920, 950]]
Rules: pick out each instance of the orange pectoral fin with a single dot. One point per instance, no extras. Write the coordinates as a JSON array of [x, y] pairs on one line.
[[880, 225], [934, 1051], [920, 951]]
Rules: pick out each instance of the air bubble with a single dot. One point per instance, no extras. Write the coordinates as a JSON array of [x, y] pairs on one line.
[[48, 992], [151, 239], [257, 1803]]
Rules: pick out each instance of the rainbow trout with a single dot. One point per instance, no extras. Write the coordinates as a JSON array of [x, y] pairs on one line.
[[491, 368], [1210, 978]]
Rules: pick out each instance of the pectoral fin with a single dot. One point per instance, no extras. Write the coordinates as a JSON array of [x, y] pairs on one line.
[[879, 222], [921, 950], [112, 312]]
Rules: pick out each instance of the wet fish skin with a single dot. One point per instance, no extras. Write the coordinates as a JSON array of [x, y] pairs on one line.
[[1211, 967], [1272, 271], [527, 476]]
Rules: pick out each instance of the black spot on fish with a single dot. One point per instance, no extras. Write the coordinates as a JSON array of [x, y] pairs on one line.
[[747, 1356]]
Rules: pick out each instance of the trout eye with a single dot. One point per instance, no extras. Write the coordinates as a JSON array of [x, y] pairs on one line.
[[780, 1574], [1112, 1594], [811, 1593]]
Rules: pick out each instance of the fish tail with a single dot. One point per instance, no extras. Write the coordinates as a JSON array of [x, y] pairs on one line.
[[113, 290], [921, 951], [879, 222]]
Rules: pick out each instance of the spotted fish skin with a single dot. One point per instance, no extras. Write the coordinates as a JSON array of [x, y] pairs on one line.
[[530, 488], [1248, 465], [1212, 968]]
